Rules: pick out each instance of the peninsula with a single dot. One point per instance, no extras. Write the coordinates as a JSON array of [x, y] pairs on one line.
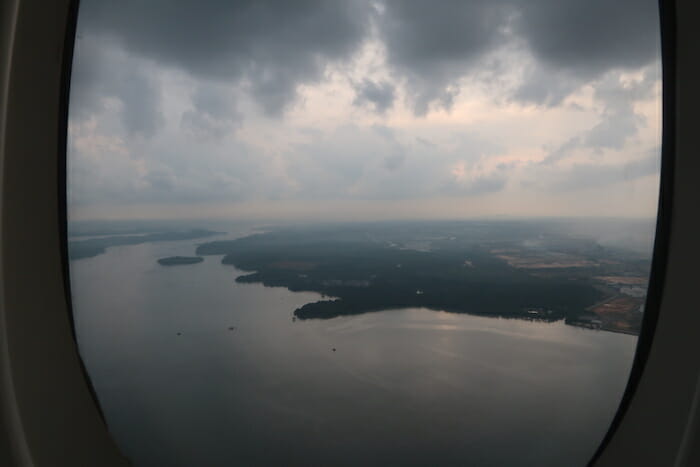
[[519, 270]]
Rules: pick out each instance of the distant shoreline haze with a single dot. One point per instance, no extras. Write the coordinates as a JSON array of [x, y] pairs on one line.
[[547, 270], [634, 233], [78, 249], [516, 269]]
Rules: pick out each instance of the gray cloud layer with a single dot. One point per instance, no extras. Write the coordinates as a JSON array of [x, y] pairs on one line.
[[263, 50], [100, 71], [271, 45], [434, 44], [380, 95]]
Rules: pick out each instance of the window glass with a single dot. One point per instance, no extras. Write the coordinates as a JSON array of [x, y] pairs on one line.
[[362, 232]]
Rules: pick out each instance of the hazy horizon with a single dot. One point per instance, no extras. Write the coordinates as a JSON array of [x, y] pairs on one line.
[[634, 234], [340, 220]]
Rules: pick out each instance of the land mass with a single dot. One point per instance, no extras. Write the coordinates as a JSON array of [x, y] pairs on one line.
[[179, 260], [511, 269], [78, 249]]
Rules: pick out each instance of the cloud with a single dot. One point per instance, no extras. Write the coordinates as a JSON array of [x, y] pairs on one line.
[[590, 37], [394, 161], [474, 178], [214, 113], [380, 95], [271, 46], [479, 185], [618, 122], [560, 44], [596, 175], [178, 102], [430, 45], [108, 168], [574, 42], [563, 151], [100, 72], [545, 86]]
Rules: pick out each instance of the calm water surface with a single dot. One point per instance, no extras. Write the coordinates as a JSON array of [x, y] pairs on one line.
[[403, 387]]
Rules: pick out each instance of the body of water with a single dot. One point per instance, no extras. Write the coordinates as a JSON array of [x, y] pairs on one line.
[[400, 387]]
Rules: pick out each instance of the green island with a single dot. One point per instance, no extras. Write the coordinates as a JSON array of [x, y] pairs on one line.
[[180, 260], [509, 269]]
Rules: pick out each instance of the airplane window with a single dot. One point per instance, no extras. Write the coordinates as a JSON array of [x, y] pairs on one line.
[[371, 232]]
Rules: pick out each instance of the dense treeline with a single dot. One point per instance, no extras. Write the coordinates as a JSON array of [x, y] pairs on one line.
[[371, 269]]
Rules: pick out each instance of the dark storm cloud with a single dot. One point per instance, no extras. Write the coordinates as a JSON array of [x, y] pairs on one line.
[[542, 85], [590, 37], [378, 94], [576, 41], [271, 45], [433, 44]]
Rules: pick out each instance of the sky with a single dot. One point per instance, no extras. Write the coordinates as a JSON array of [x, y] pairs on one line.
[[364, 109]]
